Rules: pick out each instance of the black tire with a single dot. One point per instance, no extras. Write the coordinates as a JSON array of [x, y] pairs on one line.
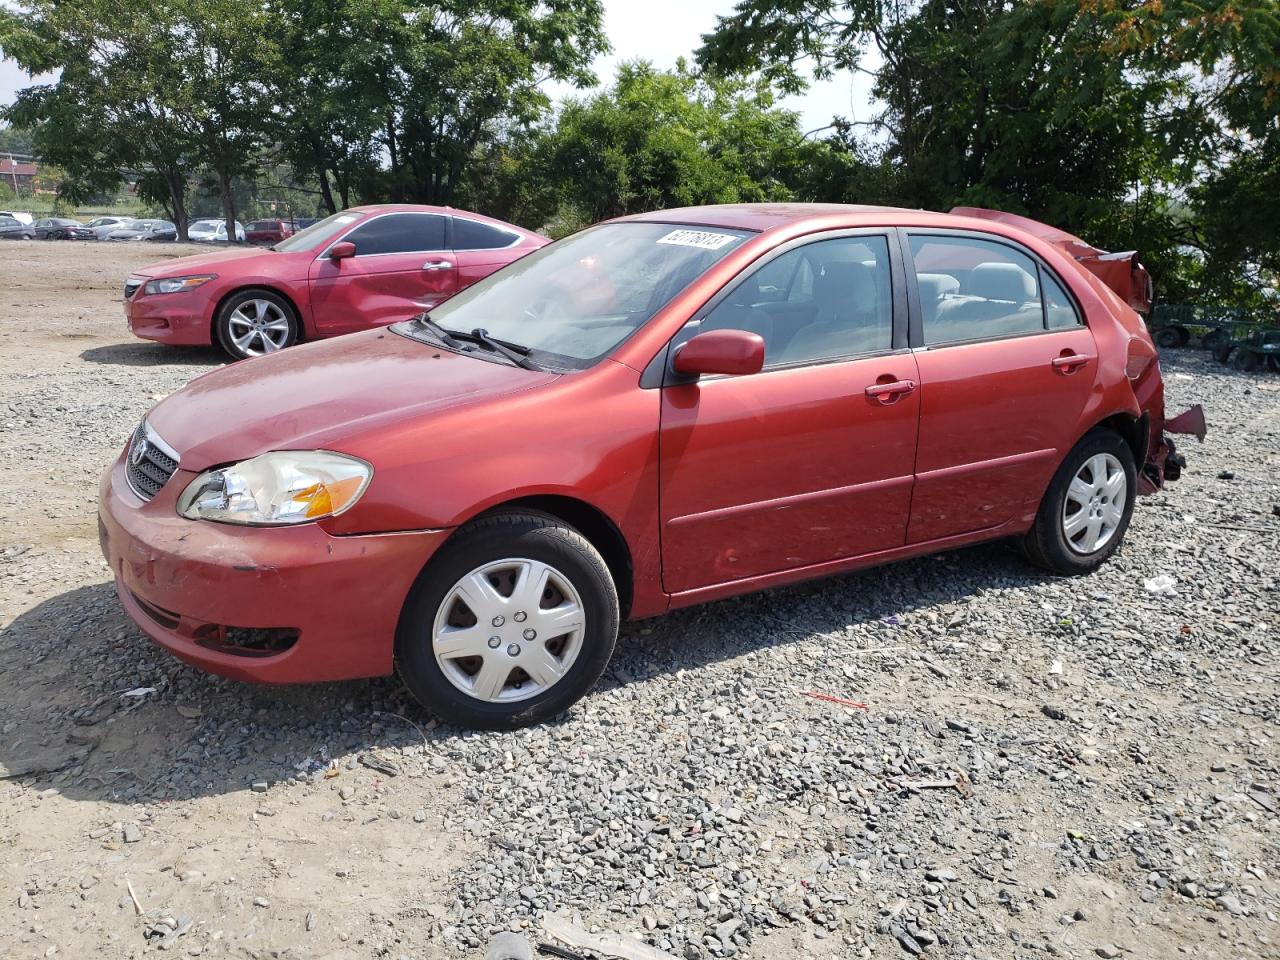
[[1170, 337], [1045, 544], [526, 534], [1211, 339], [1222, 351], [222, 323], [1246, 360]]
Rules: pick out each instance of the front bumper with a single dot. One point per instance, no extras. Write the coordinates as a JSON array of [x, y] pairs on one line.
[[174, 318], [185, 582]]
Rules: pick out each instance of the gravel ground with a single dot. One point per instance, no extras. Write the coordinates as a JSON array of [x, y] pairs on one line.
[[1074, 768]]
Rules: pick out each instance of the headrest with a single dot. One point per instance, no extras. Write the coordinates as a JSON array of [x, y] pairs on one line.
[[1002, 281], [935, 286], [843, 282]]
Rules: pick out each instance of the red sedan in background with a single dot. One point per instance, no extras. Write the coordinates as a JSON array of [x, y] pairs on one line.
[[654, 412], [266, 232], [361, 268]]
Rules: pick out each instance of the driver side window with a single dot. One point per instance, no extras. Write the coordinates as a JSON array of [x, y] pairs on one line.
[[399, 233], [823, 301]]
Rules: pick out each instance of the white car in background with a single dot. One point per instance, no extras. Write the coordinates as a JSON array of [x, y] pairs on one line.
[[212, 231], [101, 226], [25, 219]]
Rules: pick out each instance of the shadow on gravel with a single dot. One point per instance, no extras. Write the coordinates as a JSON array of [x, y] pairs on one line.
[[91, 707], [155, 355]]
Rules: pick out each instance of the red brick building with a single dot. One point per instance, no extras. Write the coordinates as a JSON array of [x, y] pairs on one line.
[[17, 174]]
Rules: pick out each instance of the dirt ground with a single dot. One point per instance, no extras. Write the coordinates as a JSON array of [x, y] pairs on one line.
[[145, 807]]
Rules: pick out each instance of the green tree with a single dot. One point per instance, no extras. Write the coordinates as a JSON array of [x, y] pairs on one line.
[[670, 138], [1093, 116]]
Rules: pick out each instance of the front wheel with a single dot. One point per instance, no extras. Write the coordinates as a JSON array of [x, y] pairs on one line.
[[1086, 510], [256, 322], [511, 623]]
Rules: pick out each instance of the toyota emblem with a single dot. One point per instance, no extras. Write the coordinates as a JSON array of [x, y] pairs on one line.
[[139, 452]]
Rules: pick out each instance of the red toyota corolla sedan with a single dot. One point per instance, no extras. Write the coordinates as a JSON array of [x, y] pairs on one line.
[[654, 412], [361, 268]]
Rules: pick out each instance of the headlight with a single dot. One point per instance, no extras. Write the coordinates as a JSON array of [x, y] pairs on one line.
[[278, 488], [178, 284]]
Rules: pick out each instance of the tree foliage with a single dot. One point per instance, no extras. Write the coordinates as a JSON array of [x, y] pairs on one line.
[[1101, 116]]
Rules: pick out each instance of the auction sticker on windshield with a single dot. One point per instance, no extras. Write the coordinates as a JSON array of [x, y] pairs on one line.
[[704, 239]]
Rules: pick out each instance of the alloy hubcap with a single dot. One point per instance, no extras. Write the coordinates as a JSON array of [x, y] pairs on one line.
[[509, 630], [1095, 504], [258, 327]]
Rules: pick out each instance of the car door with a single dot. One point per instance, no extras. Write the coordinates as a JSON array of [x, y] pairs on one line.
[[481, 248], [401, 267], [1006, 368], [809, 460]]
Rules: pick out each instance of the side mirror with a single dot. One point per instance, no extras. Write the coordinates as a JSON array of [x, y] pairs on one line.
[[342, 250], [720, 351]]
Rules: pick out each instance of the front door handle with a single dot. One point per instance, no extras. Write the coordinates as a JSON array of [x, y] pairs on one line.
[[437, 265], [1070, 362], [887, 393]]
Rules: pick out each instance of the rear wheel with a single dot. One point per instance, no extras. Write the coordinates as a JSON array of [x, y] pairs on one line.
[[1171, 337], [1246, 360], [1086, 510], [256, 322], [512, 622]]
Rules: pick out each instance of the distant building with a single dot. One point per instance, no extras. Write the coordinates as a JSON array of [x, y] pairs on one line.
[[17, 174]]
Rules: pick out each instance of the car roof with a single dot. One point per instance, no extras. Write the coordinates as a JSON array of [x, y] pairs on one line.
[[765, 216]]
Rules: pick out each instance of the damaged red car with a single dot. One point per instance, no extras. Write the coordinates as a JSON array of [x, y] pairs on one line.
[[360, 268], [654, 412]]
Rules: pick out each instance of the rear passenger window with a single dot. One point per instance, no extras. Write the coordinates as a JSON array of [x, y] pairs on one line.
[[822, 301], [399, 233], [975, 289], [473, 235], [1059, 311]]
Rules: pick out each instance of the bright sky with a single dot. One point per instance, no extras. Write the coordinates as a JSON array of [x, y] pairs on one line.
[[660, 31]]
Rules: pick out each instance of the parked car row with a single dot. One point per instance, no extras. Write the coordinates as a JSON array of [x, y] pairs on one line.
[[654, 412], [126, 228]]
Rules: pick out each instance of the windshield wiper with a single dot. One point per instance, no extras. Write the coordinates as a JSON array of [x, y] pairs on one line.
[[515, 352], [446, 336]]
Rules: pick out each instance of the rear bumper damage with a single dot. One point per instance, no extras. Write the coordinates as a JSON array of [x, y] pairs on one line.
[[1163, 460]]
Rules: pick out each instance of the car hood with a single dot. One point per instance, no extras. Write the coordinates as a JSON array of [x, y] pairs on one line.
[[202, 262], [324, 395]]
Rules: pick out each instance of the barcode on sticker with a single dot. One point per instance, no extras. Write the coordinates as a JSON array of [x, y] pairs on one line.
[[703, 239]]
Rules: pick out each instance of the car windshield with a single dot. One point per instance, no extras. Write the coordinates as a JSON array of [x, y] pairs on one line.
[[318, 233], [203, 226], [574, 301]]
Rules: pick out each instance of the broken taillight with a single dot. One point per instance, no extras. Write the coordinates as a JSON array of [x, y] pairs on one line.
[[1140, 357]]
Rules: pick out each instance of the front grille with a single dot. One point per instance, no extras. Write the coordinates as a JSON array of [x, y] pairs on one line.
[[146, 466], [131, 287]]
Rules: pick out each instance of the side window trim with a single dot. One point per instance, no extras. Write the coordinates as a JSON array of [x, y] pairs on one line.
[[913, 288], [658, 373]]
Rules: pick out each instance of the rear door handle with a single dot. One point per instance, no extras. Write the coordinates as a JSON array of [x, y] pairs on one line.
[[437, 265], [888, 392], [1068, 362]]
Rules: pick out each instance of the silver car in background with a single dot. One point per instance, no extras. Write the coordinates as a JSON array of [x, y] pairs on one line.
[[101, 226], [156, 230]]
